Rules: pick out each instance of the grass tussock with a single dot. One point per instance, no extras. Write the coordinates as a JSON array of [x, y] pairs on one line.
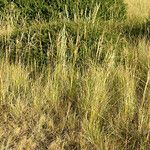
[[74, 75]]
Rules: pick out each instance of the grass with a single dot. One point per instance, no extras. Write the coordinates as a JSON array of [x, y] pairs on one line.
[[139, 9], [74, 75]]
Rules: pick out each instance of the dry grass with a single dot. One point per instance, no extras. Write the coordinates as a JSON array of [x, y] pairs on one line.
[[92, 94], [138, 9]]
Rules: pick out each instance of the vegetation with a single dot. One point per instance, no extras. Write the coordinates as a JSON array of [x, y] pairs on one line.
[[74, 75]]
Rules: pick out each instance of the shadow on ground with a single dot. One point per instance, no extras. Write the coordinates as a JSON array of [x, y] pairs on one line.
[[137, 31]]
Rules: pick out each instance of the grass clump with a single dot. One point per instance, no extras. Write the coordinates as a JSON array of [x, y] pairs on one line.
[[73, 75]]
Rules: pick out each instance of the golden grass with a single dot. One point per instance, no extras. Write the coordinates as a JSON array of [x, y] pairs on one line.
[[6, 30], [138, 9], [52, 112], [102, 106]]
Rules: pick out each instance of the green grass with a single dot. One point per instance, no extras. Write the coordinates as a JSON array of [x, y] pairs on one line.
[[74, 75]]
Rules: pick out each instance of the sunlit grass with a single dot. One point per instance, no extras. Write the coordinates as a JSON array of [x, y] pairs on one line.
[[138, 9], [73, 82]]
